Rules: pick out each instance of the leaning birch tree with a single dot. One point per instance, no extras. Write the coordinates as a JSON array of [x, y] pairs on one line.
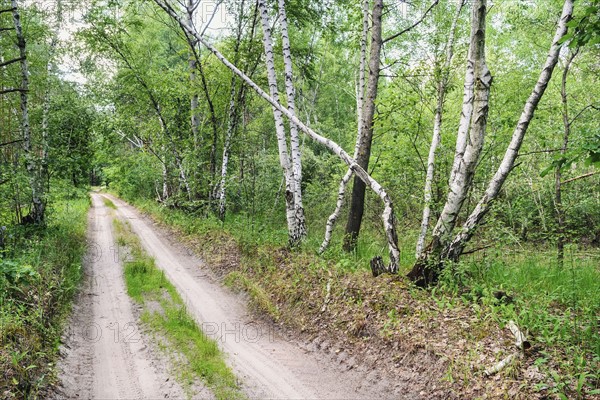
[[442, 85], [445, 245]]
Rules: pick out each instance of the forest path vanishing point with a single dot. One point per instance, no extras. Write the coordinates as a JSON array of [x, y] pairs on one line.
[[99, 363]]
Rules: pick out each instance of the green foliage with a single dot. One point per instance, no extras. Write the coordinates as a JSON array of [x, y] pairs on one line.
[[39, 273]]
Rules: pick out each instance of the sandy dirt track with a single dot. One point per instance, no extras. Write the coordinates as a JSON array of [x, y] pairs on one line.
[[106, 356], [267, 365]]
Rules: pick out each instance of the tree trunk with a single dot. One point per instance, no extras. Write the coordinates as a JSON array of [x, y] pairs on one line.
[[357, 204], [195, 118], [360, 94], [464, 170], [232, 117], [37, 213], [294, 139], [437, 126], [388, 212], [426, 269], [560, 211], [294, 231]]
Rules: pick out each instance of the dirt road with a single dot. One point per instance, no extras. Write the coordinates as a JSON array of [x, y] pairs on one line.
[[267, 365]]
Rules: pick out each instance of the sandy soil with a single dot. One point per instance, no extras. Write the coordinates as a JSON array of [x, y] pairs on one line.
[[268, 365], [105, 355]]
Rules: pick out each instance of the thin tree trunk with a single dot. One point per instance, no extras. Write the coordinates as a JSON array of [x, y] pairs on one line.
[[357, 204], [560, 211], [46, 107], [194, 100], [437, 126], [37, 188], [360, 97], [426, 270], [232, 117], [388, 212], [284, 157], [294, 139], [465, 169]]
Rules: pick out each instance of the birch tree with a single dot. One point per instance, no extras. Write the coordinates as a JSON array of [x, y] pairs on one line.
[[294, 137], [296, 227], [388, 212], [437, 126], [445, 247], [38, 208]]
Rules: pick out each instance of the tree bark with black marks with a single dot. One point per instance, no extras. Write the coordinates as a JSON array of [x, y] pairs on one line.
[[444, 247], [437, 126]]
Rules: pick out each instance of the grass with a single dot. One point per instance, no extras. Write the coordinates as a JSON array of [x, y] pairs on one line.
[[40, 270], [557, 307], [147, 285], [108, 203]]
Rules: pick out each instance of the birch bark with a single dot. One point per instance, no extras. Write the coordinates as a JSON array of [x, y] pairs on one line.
[[459, 242], [37, 213], [284, 156], [442, 249], [388, 212], [437, 126], [294, 137]]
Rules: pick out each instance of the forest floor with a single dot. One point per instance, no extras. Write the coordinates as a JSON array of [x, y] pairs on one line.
[[109, 354]]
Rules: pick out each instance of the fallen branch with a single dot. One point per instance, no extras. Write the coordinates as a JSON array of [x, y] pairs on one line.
[[501, 365], [327, 294], [520, 340]]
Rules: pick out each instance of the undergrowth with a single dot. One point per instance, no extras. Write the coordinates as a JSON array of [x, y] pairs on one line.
[[147, 285], [40, 269]]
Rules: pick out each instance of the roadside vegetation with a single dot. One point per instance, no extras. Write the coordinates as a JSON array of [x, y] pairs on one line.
[[40, 269], [461, 322], [192, 353]]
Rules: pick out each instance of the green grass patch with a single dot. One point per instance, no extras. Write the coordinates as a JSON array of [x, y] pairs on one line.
[[108, 203], [148, 286], [40, 270]]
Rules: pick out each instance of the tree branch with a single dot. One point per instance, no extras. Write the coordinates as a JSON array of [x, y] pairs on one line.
[[12, 90], [14, 60], [402, 32], [580, 177]]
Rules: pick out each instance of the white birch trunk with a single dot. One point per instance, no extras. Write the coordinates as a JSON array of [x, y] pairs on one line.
[[437, 126], [284, 157], [37, 189], [294, 139], [457, 245], [360, 98], [388, 212], [226, 149], [464, 170]]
